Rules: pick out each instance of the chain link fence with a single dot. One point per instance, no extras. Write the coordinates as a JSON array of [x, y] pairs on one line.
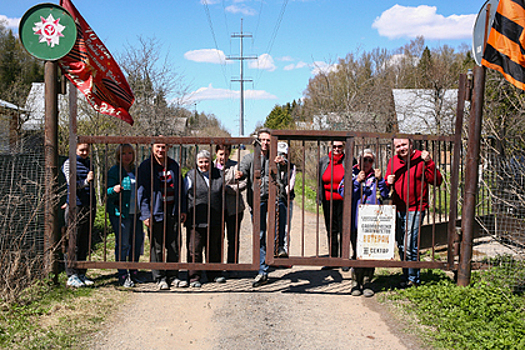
[[21, 215], [501, 210]]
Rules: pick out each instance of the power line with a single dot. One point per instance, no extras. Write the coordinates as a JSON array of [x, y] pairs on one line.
[[274, 33], [223, 65]]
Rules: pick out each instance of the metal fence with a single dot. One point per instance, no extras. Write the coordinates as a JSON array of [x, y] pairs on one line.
[[500, 236], [21, 215], [500, 212]]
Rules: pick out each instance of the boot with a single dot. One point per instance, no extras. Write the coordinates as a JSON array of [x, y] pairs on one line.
[[367, 282]]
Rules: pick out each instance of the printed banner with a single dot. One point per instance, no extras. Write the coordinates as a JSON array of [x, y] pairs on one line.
[[92, 69], [376, 232]]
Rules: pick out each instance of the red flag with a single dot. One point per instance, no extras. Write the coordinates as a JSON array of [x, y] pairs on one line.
[[93, 70]]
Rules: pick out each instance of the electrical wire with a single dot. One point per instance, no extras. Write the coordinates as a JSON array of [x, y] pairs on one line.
[[223, 64], [274, 35]]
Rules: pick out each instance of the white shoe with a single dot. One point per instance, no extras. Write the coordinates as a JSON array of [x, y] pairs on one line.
[[86, 280], [75, 282]]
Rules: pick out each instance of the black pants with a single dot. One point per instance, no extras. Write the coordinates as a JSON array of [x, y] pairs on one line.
[[165, 246], [233, 222], [84, 221], [197, 241], [334, 227]]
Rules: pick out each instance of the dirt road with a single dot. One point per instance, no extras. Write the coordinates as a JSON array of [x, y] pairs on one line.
[[301, 308]]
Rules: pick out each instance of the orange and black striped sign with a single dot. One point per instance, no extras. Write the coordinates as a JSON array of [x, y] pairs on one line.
[[505, 49]]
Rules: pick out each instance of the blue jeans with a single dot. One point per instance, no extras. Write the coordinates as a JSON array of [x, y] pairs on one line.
[[411, 242], [128, 246], [263, 267]]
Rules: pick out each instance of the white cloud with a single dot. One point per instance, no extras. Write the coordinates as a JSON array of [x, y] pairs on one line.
[[297, 65], [323, 67], [243, 9], [404, 21], [206, 55], [211, 93], [264, 61], [285, 59], [10, 22]]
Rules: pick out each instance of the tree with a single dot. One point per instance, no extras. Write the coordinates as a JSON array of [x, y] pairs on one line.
[[280, 118], [354, 95], [159, 89], [17, 69]]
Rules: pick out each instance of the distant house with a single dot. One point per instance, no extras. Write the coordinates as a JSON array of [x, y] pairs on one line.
[[11, 118], [425, 111]]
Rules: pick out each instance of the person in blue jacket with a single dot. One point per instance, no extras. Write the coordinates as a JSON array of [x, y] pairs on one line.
[[162, 205], [369, 187], [86, 209], [124, 213]]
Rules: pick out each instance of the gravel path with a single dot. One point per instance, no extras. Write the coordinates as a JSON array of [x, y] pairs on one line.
[[301, 308]]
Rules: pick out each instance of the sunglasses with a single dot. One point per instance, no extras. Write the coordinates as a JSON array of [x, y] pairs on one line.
[[338, 146], [368, 160]]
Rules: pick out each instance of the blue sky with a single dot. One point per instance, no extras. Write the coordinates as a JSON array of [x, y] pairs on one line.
[[291, 38]]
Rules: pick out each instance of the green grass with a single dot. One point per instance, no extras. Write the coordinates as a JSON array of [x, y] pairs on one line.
[[488, 314], [310, 194], [56, 317]]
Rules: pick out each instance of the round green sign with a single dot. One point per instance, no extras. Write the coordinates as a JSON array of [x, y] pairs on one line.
[[47, 31]]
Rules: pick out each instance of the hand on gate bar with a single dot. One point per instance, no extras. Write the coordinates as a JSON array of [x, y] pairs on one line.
[[425, 155], [390, 179], [116, 188], [146, 222], [90, 176]]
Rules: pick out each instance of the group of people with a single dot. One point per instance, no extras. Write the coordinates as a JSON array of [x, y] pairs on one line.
[[408, 174], [209, 198], [155, 195]]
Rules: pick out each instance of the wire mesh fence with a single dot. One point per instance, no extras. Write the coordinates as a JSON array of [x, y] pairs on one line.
[[21, 215], [500, 210]]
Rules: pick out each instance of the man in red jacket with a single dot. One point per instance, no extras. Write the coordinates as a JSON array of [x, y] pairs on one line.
[[412, 172]]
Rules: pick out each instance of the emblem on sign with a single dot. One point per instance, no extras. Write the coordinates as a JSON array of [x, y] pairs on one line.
[[49, 30]]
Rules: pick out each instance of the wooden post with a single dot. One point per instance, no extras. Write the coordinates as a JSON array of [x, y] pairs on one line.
[[471, 176], [51, 169]]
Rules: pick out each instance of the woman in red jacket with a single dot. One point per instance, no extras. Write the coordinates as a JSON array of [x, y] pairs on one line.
[[331, 172]]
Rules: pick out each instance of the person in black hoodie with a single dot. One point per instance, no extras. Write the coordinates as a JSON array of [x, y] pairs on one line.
[[162, 207], [205, 206]]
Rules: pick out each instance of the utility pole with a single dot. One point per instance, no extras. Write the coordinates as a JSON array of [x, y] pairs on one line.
[[241, 58]]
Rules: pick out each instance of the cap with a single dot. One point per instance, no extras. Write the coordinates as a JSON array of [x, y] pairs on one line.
[[282, 147]]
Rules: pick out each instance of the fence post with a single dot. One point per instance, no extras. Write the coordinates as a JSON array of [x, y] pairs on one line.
[[454, 177], [471, 176], [51, 172]]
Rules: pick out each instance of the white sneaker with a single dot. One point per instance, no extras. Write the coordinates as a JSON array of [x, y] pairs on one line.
[[75, 282], [163, 285], [86, 280], [177, 283], [260, 280]]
